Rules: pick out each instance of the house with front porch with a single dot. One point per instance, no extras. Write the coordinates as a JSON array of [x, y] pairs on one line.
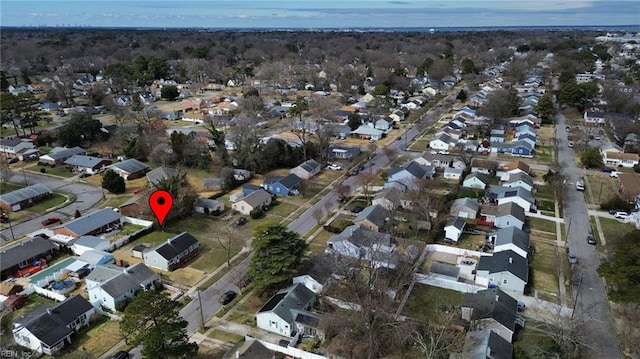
[[510, 238], [357, 242], [288, 313], [627, 160], [109, 285], [442, 142], [476, 180], [17, 148], [367, 132], [87, 164], [593, 117]]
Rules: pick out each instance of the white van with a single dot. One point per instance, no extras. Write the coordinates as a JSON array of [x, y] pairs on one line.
[[580, 185]]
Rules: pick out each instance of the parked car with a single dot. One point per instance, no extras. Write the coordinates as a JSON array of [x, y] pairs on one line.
[[567, 128], [521, 306], [607, 169], [399, 138], [240, 221], [81, 273], [591, 239], [12, 160], [573, 258], [622, 215], [121, 355], [51, 220], [84, 175], [570, 144], [580, 185], [227, 297], [4, 218], [333, 166], [613, 174]]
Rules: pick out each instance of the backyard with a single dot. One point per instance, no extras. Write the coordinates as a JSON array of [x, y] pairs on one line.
[[426, 302]]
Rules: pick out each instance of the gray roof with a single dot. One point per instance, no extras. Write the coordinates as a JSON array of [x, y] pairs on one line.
[[23, 251], [466, 202], [208, 182], [309, 165], [175, 245], [361, 236], [85, 161], [130, 166], [506, 192], [161, 174], [92, 221], [289, 302], [481, 176], [392, 194], [505, 261], [91, 241], [520, 176], [513, 235], [104, 273], [10, 142], [24, 194], [249, 349], [503, 310], [375, 214], [499, 348], [128, 279], [456, 222], [257, 197], [512, 209], [51, 326], [289, 181], [61, 153], [94, 256]]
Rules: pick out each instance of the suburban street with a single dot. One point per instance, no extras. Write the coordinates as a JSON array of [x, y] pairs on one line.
[[86, 197], [589, 292]]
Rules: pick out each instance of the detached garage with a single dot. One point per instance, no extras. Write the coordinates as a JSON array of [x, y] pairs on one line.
[[23, 198]]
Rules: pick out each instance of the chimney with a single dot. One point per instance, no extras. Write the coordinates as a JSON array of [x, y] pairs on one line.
[[510, 260]]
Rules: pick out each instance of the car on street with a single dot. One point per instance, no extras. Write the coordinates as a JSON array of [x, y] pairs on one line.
[[568, 129], [51, 220], [580, 185], [573, 258], [12, 160], [570, 144], [398, 138], [591, 239], [240, 222], [227, 297]]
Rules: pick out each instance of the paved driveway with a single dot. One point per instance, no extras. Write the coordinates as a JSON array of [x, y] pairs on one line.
[[86, 197], [591, 300]]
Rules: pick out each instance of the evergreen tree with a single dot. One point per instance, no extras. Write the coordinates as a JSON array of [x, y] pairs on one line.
[[277, 252], [113, 183], [545, 108]]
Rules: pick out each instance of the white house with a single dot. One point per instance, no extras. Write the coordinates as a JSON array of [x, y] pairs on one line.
[[593, 117], [512, 168], [360, 243], [442, 142], [510, 215], [307, 169], [48, 331], [494, 311], [108, 285], [519, 179], [17, 148], [172, 254], [465, 208], [452, 173], [628, 160], [518, 195], [254, 200], [287, 312], [506, 269], [510, 238], [88, 243], [476, 180], [453, 229]]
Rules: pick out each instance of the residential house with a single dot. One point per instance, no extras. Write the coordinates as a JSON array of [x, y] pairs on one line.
[[397, 115], [94, 258], [368, 132], [442, 142], [17, 148], [129, 169], [518, 195], [58, 155], [87, 164], [307, 169], [510, 238], [465, 208], [492, 309], [628, 160], [522, 148], [108, 285], [10, 288], [22, 198], [531, 140], [487, 215], [497, 136], [48, 330], [213, 184], [520, 179], [511, 168], [410, 174], [629, 185], [282, 186], [23, 254], [484, 344], [487, 167], [437, 160], [161, 175], [343, 152], [391, 198], [361, 243], [476, 180], [254, 200], [172, 254], [510, 215], [374, 217], [505, 269], [88, 243], [384, 124], [451, 173], [134, 206], [453, 229], [287, 313], [593, 117], [100, 221], [206, 206], [249, 349], [500, 147], [609, 147]]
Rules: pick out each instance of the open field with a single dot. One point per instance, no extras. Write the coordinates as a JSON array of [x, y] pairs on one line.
[[602, 187]]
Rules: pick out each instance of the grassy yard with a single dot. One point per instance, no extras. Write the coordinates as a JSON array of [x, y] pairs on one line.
[[116, 201], [602, 187], [61, 171], [101, 337], [9, 187], [420, 145], [319, 242], [426, 302], [540, 224], [282, 209], [544, 267], [225, 336], [53, 201], [613, 231]]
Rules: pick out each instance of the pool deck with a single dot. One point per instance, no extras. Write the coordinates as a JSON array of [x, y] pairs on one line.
[[51, 270]]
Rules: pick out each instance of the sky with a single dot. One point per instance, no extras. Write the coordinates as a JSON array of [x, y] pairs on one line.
[[313, 14]]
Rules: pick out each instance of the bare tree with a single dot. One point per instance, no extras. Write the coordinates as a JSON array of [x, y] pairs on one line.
[[343, 191], [5, 171], [365, 181], [391, 153], [628, 318], [429, 205], [438, 336], [228, 240], [318, 215]]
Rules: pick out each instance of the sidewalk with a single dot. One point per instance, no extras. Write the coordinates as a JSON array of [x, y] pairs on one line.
[[543, 216]]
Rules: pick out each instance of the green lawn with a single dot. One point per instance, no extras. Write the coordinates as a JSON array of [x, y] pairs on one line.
[[116, 201], [225, 336], [282, 209], [7, 187], [61, 171], [541, 224], [544, 267], [602, 187], [426, 302], [319, 242], [53, 201]]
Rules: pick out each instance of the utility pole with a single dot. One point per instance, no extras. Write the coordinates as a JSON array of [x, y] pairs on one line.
[[600, 193], [201, 311], [13, 238], [25, 176]]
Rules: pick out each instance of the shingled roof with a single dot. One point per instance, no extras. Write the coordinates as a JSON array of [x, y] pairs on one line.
[[24, 194], [176, 245]]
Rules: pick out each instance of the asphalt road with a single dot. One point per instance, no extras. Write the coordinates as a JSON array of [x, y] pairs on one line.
[[86, 197], [210, 296], [591, 301]]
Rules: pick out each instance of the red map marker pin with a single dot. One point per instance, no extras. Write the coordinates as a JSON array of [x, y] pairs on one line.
[[160, 203]]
